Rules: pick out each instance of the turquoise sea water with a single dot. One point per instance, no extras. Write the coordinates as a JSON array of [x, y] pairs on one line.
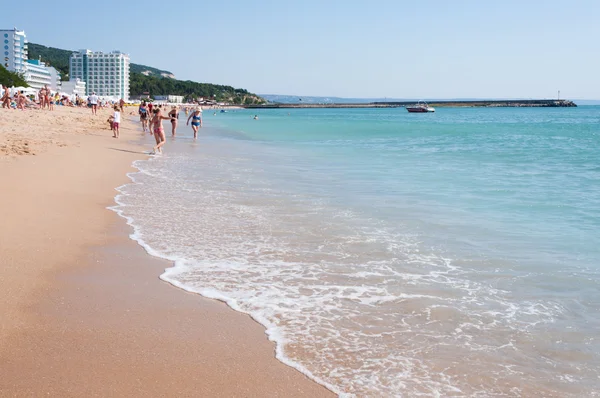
[[394, 254]]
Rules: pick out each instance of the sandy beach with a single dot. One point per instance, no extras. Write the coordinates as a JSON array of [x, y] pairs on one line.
[[83, 312]]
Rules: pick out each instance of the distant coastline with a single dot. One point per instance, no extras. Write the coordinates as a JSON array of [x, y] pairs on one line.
[[541, 103]]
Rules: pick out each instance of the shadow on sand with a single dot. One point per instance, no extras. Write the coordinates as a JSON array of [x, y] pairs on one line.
[[126, 150]]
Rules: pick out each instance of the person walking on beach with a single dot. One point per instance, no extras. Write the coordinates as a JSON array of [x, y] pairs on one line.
[[94, 103], [196, 117], [121, 104], [116, 122], [144, 116], [174, 115], [159, 132], [6, 97]]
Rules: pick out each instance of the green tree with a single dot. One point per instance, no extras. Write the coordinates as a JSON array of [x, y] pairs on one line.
[[11, 79]]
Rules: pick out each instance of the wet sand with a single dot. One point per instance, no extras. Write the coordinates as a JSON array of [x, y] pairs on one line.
[[83, 310]]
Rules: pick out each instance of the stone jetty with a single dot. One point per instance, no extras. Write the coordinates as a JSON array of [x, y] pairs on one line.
[[439, 104]]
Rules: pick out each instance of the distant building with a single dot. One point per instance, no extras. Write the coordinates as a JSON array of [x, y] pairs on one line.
[[55, 82], [104, 74], [74, 86], [176, 99], [14, 49], [37, 74]]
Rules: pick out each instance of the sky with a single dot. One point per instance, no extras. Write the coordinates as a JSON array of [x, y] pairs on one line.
[[427, 49]]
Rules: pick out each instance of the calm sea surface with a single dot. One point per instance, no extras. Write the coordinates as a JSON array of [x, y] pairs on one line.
[[393, 254]]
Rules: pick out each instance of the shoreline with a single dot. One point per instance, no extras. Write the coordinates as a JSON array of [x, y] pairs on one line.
[[84, 302], [164, 276]]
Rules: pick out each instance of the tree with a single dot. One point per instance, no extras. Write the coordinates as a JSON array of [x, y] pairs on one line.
[[11, 79]]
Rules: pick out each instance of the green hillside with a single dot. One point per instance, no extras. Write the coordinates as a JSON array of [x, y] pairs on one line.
[[136, 68], [154, 83]]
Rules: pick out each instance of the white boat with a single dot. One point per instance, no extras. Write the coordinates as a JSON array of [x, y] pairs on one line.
[[420, 107]]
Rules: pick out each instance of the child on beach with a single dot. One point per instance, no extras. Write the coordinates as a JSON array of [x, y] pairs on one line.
[[110, 121], [116, 122], [159, 132]]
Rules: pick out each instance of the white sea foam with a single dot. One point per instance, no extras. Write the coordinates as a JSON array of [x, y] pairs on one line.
[[362, 307]]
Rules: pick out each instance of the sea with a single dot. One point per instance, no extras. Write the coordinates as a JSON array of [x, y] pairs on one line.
[[388, 254]]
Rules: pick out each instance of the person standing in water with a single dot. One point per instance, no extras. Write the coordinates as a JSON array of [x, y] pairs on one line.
[[143, 111], [196, 117], [174, 115], [159, 132]]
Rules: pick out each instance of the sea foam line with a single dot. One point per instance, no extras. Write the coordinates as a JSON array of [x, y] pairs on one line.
[[273, 333]]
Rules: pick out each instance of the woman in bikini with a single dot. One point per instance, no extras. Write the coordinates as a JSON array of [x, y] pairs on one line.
[[47, 94], [42, 97], [196, 117], [174, 115], [159, 132]]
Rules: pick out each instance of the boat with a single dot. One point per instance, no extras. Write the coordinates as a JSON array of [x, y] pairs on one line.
[[420, 107]]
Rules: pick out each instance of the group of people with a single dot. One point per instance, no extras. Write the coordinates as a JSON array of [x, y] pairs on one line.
[[45, 99], [151, 117], [94, 102], [19, 100]]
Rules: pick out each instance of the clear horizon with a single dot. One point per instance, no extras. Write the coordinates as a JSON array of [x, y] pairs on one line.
[[468, 49]]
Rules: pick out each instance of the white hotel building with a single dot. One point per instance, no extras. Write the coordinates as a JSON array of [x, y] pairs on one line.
[[15, 58], [14, 50], [38, 75], [74, 86], [105, 74]]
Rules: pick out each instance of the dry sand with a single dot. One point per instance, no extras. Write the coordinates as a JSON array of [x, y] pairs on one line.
[[83, 312]]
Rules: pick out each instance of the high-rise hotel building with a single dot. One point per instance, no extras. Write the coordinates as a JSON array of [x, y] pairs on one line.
[[14, 50], [105, 74]]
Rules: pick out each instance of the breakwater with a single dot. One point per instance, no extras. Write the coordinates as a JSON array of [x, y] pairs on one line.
[[450, 103]]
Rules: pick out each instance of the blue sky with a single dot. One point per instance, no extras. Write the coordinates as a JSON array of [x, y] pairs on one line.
[[395, 48]]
